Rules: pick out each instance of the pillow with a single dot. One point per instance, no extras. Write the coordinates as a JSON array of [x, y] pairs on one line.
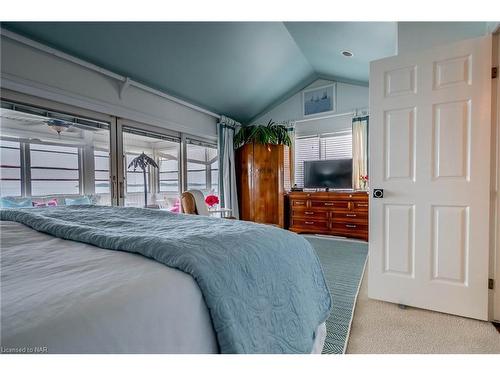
[[13, 203], [50, 203], [77, 201]]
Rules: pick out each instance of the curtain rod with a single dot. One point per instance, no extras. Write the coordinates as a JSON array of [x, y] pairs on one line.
[[126, 81]]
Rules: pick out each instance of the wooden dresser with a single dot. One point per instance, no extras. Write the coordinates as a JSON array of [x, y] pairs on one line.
[[335, 213]]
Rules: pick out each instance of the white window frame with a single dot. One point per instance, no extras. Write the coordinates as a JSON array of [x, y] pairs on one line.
[[47, 108], [208, 164]]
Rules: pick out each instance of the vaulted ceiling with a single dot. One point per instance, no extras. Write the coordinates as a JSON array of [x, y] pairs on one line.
[[234, 68]]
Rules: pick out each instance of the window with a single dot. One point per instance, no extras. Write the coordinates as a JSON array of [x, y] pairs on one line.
[[202, 167], [169, 170], [135, 178], [101, 172], [214, 169], [327, 146], [336, 146], [46, 154], [54, 170], [10, 160], [162, 184], [305, 149]]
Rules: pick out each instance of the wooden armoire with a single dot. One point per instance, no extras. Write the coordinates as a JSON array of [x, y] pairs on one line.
[[260, 170]]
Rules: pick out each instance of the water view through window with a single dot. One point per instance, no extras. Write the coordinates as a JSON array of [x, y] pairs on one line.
[[58, 157]]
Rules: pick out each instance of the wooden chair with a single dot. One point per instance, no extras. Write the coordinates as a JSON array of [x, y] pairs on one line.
[[193, 202]]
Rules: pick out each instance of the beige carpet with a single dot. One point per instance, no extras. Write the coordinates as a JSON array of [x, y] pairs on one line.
[[381, 327]]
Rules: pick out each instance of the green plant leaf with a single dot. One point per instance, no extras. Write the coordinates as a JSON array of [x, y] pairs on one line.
[[271, 133]]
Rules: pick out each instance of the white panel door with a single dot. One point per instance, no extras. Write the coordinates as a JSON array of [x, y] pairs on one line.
[[430, 152]]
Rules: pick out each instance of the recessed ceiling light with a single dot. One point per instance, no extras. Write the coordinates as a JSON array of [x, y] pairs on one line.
[[347, 53]]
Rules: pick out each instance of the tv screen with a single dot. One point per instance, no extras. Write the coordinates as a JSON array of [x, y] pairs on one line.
[[333, 174]]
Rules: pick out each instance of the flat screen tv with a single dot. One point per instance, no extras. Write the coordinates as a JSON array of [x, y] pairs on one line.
[[332, 174]]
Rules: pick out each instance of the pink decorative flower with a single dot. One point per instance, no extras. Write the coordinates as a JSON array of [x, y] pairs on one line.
[[212, 200]]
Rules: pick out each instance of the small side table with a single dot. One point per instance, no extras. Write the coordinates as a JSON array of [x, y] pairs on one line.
[[220, 212]]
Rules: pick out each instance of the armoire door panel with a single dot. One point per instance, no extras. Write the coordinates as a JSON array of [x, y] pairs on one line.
[[260, 183]]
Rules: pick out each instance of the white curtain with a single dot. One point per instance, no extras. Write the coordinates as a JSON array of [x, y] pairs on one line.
[[291, 159], [359, 150], [289, 155], [226, 129]]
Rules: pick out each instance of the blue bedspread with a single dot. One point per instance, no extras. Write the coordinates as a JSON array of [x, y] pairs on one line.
[[264, 286]]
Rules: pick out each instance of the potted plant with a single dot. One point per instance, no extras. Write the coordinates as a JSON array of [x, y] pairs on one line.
[[270, 134]]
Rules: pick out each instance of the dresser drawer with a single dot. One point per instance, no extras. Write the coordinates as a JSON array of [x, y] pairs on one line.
[[349, 227], [309, 214], [309, 223], [342, 205], [360, 206], [298, 203], [350, 216]]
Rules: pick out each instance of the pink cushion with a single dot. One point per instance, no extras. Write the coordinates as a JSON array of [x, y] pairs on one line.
[[51, 203]]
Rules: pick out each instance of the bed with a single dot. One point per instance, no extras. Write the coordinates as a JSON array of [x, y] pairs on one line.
[[61, 295]]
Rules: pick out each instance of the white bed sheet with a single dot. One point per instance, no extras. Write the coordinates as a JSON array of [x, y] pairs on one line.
[[71, 297]]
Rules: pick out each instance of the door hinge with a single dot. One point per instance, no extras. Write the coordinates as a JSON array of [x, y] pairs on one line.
[[494, 72], [491, 284]]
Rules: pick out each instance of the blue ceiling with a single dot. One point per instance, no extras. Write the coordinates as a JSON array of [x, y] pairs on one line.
[[234, 68]]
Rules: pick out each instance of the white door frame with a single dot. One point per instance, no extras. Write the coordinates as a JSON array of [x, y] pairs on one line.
[[494, 269]]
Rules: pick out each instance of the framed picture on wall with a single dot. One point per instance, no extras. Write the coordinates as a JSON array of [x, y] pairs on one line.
[[319, 100]]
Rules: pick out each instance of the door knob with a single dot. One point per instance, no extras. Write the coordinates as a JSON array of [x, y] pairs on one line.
[[378, 193]]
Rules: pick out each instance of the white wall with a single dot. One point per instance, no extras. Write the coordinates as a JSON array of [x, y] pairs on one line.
[[349, 98], [414, 36], [31, 71]]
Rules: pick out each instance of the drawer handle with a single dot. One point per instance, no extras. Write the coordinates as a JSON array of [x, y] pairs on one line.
[[309, 222], [328, 204], [350, 226], [299, 203], [362, 205], [309, 212], [350, 215]]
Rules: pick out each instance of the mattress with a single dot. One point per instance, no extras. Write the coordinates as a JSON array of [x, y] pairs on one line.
[[60, 296]]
